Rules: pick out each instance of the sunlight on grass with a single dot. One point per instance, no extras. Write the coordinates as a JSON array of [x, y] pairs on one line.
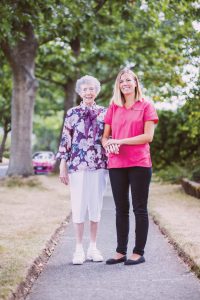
[[178, 214], [30, 211], [19, 181]]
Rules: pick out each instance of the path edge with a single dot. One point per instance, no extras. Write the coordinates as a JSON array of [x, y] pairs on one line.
[[181, 253], [23, 288]]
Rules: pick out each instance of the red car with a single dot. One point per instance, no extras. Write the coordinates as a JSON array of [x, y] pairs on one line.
[[43, 162]]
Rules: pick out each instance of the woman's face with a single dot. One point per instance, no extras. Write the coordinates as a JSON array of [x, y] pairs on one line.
[[88, 93], [127, 84]]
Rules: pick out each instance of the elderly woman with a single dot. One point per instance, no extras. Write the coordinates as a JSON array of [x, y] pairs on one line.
[[83, 164], [130, 122]]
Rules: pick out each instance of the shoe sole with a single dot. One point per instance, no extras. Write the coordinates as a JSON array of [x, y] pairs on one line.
[[134, 263], [91, 259], [77, 263]]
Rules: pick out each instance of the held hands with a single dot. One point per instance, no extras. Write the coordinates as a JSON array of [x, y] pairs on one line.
[[112, 146], [112, 149], [64, 177]]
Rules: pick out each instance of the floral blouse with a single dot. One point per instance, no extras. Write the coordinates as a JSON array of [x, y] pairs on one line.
[[80, 144]]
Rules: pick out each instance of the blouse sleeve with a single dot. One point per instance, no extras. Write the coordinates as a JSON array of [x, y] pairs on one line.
[[66, 139], [108, 116], [150, 113]]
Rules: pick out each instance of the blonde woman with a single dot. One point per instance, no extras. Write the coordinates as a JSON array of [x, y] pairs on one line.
[[83, 164], [130, 122]]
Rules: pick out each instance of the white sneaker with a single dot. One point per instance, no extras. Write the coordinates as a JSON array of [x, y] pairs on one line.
[[94, 254], [78, 257]]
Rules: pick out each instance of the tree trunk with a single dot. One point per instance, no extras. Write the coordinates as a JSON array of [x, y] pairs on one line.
[[69, 101], [69, 88], [22, 61], [3, 143]]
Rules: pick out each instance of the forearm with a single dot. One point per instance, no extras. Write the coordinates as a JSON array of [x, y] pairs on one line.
[[106, 135], [104, 141], [63, 163], [140, 139], [137, 140]]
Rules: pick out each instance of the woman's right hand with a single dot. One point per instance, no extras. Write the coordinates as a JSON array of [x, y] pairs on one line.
[[64, 177]]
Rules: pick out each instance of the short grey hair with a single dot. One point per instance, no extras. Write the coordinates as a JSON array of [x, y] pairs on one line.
[[87, 79]]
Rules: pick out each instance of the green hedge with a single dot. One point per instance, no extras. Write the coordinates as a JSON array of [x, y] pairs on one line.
[[176, 146]]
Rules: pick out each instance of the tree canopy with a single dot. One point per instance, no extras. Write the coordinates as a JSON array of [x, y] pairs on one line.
[[54, 42]]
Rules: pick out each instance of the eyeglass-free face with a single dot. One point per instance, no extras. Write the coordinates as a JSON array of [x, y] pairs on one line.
[[127, 84]]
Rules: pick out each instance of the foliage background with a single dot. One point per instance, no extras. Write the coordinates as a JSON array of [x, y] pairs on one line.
[[157, 39]]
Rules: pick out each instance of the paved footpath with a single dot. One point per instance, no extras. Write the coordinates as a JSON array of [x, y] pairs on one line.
[[3, 170], [163, 277]]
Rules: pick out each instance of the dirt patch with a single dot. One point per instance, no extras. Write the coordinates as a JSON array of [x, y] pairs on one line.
[[29, 215], [20, 181], [178, 215], [38, 264]]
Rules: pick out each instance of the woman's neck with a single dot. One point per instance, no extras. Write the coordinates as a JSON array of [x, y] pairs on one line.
[[88, 104], [129, 100]]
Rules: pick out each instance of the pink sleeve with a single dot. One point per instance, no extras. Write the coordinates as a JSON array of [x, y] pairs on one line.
[[150, 113], [108, 116]]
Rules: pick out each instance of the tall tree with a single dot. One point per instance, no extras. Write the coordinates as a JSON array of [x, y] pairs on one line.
[[95, 37], [117, 36], [24, 26], [5, 103]]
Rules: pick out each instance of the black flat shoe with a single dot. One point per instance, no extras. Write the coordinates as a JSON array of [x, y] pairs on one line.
[[130, 262], [113, 261]]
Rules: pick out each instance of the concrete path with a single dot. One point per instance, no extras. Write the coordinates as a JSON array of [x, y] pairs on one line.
[[163, 277], [3, 170]]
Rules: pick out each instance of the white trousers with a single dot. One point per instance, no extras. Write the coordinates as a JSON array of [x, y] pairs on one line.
[[87, 190]]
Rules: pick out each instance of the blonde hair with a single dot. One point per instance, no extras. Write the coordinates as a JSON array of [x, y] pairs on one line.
[[118, 97]]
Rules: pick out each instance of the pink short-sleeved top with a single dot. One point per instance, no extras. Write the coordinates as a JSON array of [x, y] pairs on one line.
[[126, 123]]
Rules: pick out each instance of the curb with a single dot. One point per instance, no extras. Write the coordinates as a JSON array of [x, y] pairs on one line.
[[181, 253], [191, 187], [39, 263]]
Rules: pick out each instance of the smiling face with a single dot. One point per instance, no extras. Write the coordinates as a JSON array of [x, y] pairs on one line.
[[88, 93], [127, 84]]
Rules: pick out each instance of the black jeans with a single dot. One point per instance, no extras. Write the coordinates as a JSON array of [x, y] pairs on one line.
[[139, 179]]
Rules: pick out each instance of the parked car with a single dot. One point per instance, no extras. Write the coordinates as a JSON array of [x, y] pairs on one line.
[[43, 162]]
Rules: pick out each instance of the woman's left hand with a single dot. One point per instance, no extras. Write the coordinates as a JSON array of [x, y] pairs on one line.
[[114, 148]]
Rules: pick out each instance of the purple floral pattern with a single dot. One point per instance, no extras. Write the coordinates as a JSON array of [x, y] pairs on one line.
[[80, 144]]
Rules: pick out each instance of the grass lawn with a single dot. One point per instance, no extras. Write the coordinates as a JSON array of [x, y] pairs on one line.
[[30, 211], [178, 216]]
